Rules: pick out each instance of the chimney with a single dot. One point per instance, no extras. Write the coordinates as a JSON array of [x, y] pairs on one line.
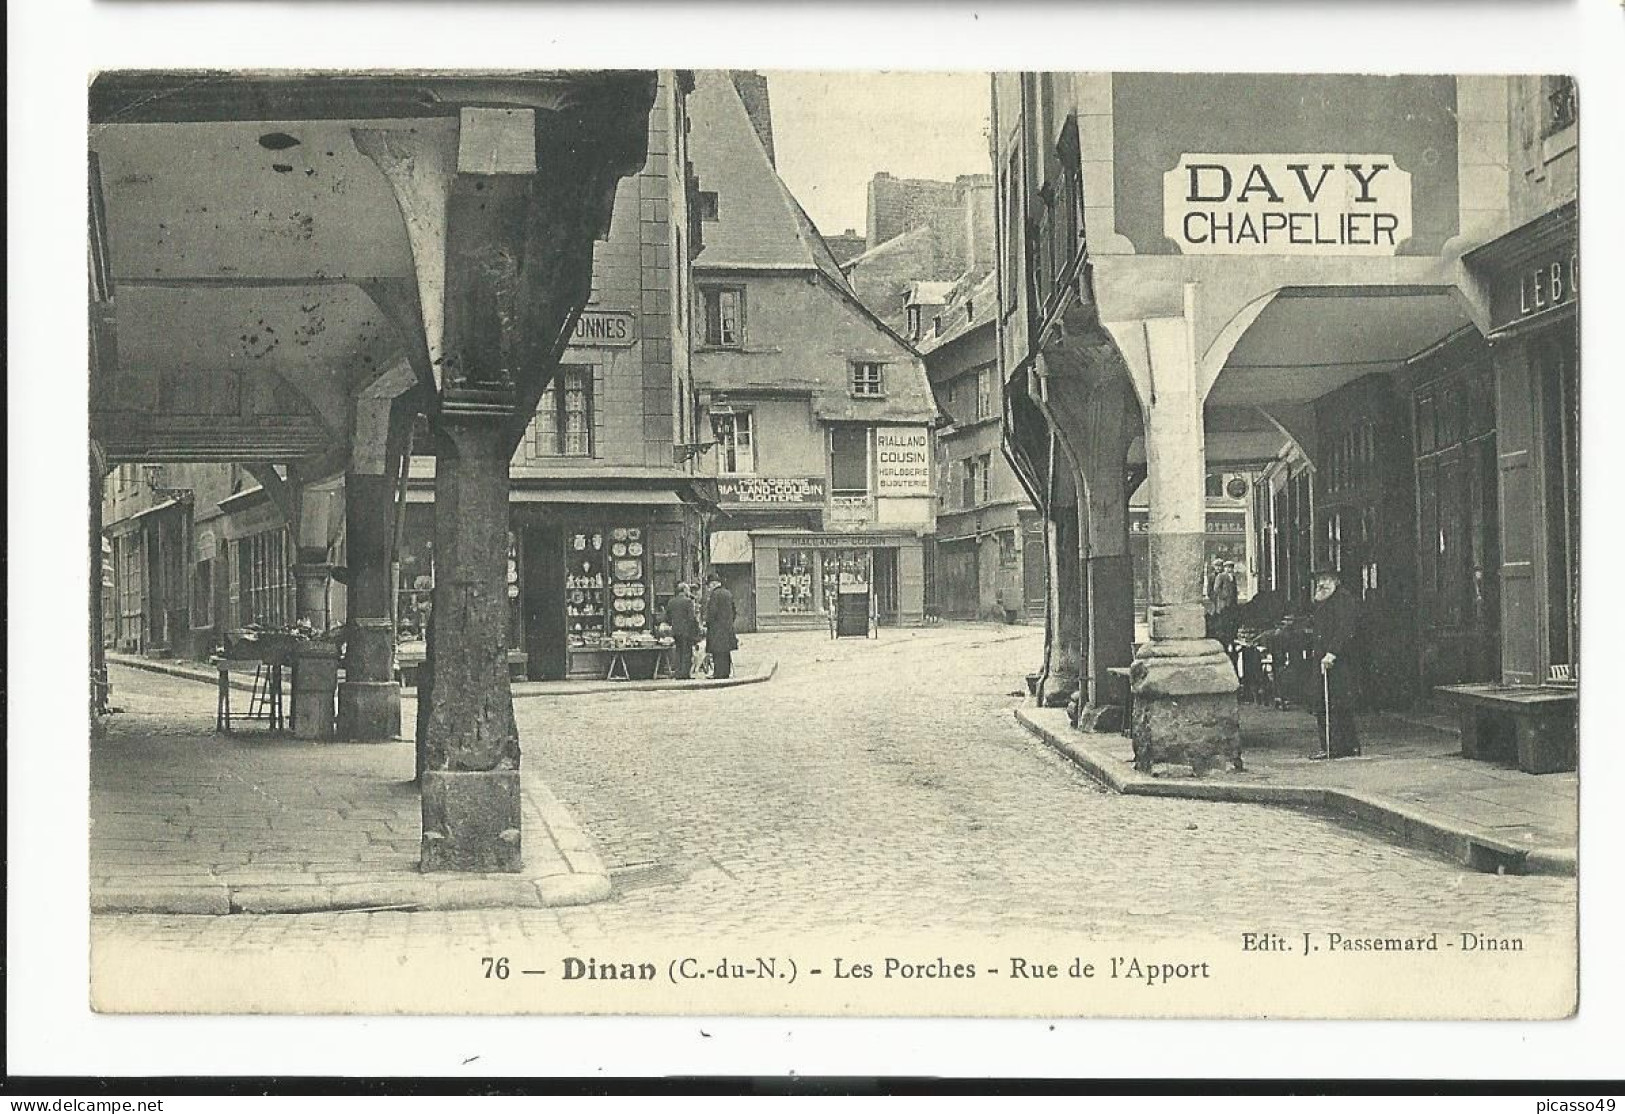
[[977, 192], [752, 88]]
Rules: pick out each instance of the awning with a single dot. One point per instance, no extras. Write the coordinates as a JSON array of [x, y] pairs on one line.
[[156, 508], [618, 497], [731, 547]]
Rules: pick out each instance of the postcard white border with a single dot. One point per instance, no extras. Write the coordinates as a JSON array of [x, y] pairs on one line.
[[55, 45]]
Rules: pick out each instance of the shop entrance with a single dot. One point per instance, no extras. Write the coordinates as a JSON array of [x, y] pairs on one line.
[[885, 586], [847, 582], [544, 603], [1034, 571]]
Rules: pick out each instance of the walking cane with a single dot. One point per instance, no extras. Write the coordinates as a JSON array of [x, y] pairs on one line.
[[1326, 703]]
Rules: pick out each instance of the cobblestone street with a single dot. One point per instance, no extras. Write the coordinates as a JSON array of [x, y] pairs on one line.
[[885, 787]]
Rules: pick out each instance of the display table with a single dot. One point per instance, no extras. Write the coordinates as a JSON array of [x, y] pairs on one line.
[[265, 653], [409, 658], [621, 663]]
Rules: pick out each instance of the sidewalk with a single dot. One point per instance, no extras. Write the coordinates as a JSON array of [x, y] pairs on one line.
[[188, 821], [198, 671], [1411, 783]]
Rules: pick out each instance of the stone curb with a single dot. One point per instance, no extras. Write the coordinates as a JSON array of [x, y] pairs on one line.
[[1467, 846], [184, 672], [522, 690], [526, 689], [566, 865]]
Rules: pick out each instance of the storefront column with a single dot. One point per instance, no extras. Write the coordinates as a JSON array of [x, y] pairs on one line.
[[470, 745], [1184, 686], [369, 696]]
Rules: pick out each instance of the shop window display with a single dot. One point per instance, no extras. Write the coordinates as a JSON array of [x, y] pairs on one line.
[[628, 594], [584, 587], [795, 581]]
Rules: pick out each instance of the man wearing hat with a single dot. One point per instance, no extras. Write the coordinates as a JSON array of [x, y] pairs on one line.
[[685, 631], [721, 640], [1336, 626]]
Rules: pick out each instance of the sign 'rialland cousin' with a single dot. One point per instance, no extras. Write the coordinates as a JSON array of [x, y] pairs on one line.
[[1307, 204]]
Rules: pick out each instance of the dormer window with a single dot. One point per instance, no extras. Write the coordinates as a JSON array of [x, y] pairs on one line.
[[914, 322]]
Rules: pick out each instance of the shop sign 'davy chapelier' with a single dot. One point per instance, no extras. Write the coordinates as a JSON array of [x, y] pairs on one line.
[[1305, 204]]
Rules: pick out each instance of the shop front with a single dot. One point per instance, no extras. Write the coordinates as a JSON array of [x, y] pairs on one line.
[[589, 576], [1533, 274], [850, 583]]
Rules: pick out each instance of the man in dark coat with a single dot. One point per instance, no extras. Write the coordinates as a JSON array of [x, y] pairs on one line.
[[721, 640], [1336, 623], [1225, 601], [685, 631]]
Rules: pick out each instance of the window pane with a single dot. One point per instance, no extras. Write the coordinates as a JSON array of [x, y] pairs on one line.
[[735, 450], [546, 422], [867, 379], [728, 302], [795, 581]]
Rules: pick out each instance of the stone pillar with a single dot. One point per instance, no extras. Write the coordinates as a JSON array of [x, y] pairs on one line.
[[1184, 686], [470, 776], [310, 578], [1108, 567], [1064, 651], [369, 697]]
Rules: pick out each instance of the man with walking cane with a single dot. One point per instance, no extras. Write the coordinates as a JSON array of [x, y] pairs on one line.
[[1336, 628]]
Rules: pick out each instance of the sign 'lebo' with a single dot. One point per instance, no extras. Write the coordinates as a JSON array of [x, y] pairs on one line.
[[1308, 204]]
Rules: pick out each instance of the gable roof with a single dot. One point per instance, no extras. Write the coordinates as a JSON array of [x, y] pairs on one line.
[[759, 224]]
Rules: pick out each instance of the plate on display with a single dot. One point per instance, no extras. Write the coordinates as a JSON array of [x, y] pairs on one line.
[[635, 549], [618, 550], [618, 534], [633, 534]]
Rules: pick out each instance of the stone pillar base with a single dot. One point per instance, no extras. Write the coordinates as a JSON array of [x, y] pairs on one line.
[[314, 680], [1186, 709], [471, 821], [369, 710], [1100, 718], [1057, 690]]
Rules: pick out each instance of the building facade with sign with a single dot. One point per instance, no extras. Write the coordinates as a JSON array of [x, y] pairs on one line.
[[1358, 290], [607, 510], [987, 558], [818, 416]]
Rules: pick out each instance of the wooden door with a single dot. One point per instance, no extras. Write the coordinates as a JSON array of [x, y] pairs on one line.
[[543, 598], [1458, 537]]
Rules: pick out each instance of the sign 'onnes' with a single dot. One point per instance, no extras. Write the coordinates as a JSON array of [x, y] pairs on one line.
[[1308, 204]]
